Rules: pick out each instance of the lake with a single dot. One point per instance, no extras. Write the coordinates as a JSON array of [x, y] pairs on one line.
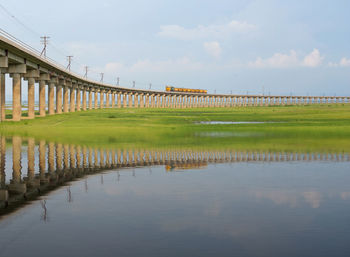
[[71, 200]]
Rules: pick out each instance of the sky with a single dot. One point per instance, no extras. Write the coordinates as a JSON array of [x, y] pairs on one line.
[[254, 46]]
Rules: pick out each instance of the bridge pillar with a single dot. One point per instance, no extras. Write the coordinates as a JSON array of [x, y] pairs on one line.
[[108, 93], [124, 100], [2, 96], [78, 96], [16, 96], [59, 99], [65, 98], [119, 101], [130, 100], [142, 102], [136, 100], [90, 99], [84, 98], [113, 99], [152, 100], [101, 98], [51, 98], [72, 99], [31, 83], [147, 100]]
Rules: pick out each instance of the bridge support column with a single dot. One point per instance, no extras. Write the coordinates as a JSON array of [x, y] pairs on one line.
[[108, 93], [113, 99], [119, 100], [78, 95], [136, 100], [142, 105], [84, 99], [51, 98], [2, 96], [72, 99], [59, 99], [65, 98], [124, 100], [95, 99], [90, 99], [16, 97], [130, 100], [152, 101], [101, 98], [31, 83]]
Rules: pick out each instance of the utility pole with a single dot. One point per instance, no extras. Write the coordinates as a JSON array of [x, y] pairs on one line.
[[45, 42], [86, 71], [101, 76], [69, 59], [133, 84], [231, 92], [150, 85], [117, 81]]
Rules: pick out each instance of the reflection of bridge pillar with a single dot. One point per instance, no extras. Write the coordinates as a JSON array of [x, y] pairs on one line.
[[72, 157], [96, 158], [113, 158], [78, 156], [51, 159], [16, 185], [66, 157], [102, 157], [30, 157], [59, 157], [85, 163], [91, 163], [59, 99], [2, 161], [42, 159]]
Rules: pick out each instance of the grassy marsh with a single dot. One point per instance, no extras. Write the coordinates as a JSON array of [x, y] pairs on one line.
[[294, 128]]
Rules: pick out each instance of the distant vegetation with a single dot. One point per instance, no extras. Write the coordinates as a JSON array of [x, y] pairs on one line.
[[295, 128]]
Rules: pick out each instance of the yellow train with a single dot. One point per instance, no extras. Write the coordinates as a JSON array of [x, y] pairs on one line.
[[186, 90]]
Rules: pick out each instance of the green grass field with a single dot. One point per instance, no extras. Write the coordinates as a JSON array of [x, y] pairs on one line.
[[290, 128]]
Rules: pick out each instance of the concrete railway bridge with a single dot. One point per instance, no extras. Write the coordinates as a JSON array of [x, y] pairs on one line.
[[70, 92]]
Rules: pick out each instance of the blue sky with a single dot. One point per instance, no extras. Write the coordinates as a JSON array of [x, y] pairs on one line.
[[279, 47]]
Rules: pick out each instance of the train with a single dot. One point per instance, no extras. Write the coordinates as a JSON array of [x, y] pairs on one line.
[[185, 90]]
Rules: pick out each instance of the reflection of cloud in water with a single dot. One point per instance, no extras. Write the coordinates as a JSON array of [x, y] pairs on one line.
[[345, 195], [278, 197], [313, 198]]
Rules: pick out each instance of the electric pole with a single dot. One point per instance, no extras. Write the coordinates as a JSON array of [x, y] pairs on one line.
[[150, 85], [69, 59], [101, 76], [45, 42], [117, 81], [86, 71], [133, 84]]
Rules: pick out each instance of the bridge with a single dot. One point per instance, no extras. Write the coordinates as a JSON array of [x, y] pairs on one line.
[[76, 93]]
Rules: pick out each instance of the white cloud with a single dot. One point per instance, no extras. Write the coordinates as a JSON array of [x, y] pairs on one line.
[[213, 48], [278, 60], [313, 59], [172, 65], [344, 62], [223, 30], [281, 60]]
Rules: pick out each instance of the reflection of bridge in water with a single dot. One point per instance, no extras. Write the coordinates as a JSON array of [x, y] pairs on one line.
[[50, 165]]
